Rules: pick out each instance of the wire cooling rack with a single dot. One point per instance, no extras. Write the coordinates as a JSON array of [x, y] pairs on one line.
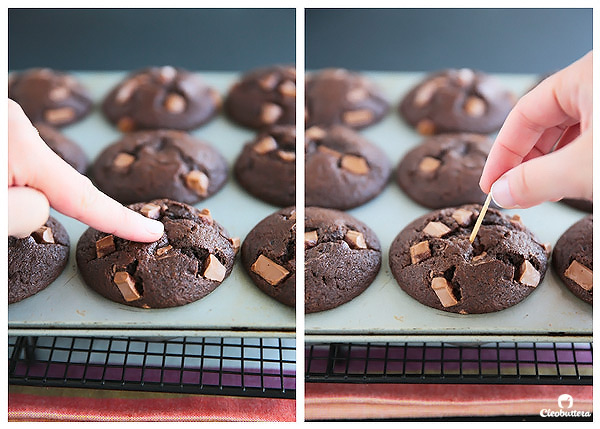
[[257, 367], [493, 363]]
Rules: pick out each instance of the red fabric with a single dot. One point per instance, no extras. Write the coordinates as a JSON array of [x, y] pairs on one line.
[[327, 401], [65, 404]]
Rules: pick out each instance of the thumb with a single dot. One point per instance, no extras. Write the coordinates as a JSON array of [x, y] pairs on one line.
[[28, 209], [566, 172]]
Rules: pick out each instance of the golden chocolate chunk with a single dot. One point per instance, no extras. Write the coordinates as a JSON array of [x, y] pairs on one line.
[[126, 124], [59, 115], [355, 164], [529, 276], [580, 274], [235, 242], [287, 88], [270, 113], [315, 133], [123, 160], [43, 235], [150, 210], [443, 290], [105, 246], [59, 93], [479, 258], [214, 269], [462, 217], [436, 229], [206, 216], [265, 145], [356, 118], [429, 164], [162, 251], [198, 182], [474, 106], [355, 239], [269, 81], [286, 156], [310, 239], [126, 284], [329, 151], [270, 271], [175, 103], [426, 127], [427, 90], [126, 90], [419, 252]]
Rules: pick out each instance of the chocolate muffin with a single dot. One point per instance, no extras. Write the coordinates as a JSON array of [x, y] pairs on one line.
[[343, 169], [433, 261], [342, 258], [266, 167], [453, 100], [444, 171], [37, 260], [573, 259], [269, 255], [64, 147], [264, 97], [159, 164], [49, 96], [342, 97], [191, 259], [161, 97]]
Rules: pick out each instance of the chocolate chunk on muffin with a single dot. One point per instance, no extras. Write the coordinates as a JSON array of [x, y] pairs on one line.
[[341, 97], [64, 147], [444, 171], [264, 97], [343, 169], [161, 97], [159, 164], [49, 96], [34, 262], [342, 258], [573, 259], [266, 167], [433, 261], [269, 255], [191, 259], [454, 100]]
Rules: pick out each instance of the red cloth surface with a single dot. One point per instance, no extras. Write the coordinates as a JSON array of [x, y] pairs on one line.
[[26, 403], [328, 401]]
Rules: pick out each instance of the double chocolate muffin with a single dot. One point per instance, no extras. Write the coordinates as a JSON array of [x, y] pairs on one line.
[[52, 97], [264, 97], [161, 97], [573, 259], [342, 169], [444, 171], [269, 255], [159, 164], [37, 260], [433, 261], [342, 258], [266, 167], [453, 100], [191, 259], [342, 97]]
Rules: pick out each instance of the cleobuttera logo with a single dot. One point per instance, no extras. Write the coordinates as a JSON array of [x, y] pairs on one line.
[[565, 398]]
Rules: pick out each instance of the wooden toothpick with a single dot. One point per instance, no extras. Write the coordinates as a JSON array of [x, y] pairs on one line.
[[480, 218]]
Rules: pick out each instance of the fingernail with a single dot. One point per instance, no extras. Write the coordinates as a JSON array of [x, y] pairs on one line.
[[154, 227], [501, 194]]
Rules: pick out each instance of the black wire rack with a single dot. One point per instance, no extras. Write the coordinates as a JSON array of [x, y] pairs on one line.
[[493, 363], [257, 367]]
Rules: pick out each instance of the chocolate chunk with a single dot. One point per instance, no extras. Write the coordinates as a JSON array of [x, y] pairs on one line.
[[436, 229], [581, 275], [126, 284], [43, 235], [310, 239], [162, 251], [198, 182], [272, 272], [462, 217], [150, 210], [429, 164], [265, 145], [355, 239], [105, 246], [529, 276], [355, 164], [443, 290], [214, 269], [419, 252]]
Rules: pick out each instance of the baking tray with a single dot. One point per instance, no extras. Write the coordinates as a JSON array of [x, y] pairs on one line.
[[384, 312], [236, 308]]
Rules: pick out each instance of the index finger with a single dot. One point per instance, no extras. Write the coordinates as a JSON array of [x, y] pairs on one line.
[[553, 103]]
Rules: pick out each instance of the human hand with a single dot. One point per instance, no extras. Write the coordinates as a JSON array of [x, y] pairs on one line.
[[544, 150], [38, 178]]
